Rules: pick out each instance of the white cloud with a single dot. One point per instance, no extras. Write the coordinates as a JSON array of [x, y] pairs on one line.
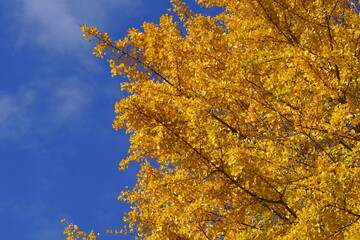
[[41, 222], [50, 24], [69, 100], [8, 110], [55, 24], [13, 113], [42, 107]]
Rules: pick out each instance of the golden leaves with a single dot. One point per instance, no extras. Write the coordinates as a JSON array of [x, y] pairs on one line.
[[74, 233], [245, 124]]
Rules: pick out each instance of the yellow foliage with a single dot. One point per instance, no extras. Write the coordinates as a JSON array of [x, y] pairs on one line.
[[74, 233], [246, 124]]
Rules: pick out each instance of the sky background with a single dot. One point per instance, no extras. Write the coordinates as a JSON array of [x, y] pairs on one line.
[[58, 152]]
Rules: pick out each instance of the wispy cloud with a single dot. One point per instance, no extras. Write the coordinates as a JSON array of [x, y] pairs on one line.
[[54, 24], [13, 112], [50, 28], [51, 24], [36, 216], [69, 100], [42, 106]]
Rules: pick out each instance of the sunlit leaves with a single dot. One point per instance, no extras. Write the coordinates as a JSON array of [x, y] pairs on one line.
[[74, 233], [246, 124]]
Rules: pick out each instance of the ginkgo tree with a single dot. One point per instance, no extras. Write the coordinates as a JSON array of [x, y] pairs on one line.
[[246, 124]]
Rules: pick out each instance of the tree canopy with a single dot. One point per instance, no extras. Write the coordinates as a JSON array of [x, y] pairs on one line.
[[246, 124]]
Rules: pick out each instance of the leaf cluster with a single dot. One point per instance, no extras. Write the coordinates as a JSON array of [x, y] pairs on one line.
[[246, 124]]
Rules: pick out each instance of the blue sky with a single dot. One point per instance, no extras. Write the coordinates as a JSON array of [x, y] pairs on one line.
[[58, 152]]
